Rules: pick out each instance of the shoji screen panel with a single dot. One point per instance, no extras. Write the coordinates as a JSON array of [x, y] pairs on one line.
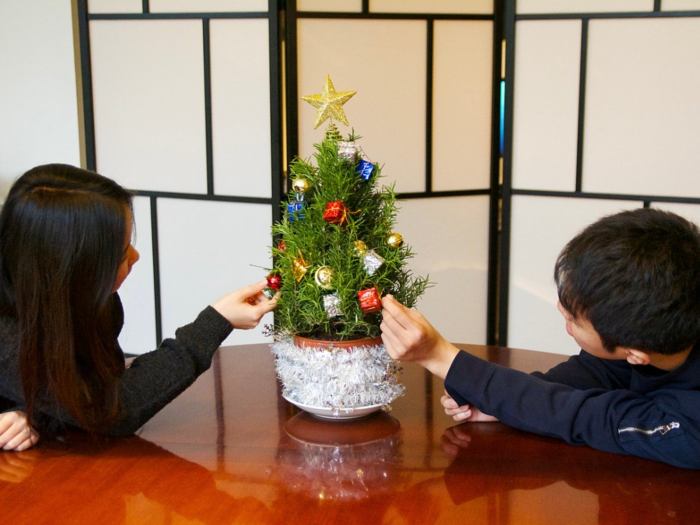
[[541, 226], [206, 249], [148, 96], [449, 236], [604, 101], [386, 65], [642, 107], [183, 99], [38, 106], [423, 72]]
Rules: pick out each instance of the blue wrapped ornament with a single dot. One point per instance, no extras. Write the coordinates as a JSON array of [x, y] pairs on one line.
[[295, 210], [364, 169]]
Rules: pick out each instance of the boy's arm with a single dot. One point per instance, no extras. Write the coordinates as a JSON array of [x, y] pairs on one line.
[[612, 420], [584, 371]]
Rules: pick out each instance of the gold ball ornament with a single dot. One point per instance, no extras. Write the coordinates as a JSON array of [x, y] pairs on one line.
[[324, 277], [360, 248], [395, 240], [301, 185]]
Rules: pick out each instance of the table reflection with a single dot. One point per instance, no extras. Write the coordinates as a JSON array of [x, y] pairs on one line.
[[340, 461]]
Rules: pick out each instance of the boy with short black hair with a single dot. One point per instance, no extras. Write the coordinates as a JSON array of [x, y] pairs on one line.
[[628, 289]]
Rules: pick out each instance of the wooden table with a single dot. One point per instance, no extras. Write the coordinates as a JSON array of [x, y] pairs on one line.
[[231, 450]]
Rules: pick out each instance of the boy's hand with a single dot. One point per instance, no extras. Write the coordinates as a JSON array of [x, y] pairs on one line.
[[408, 336], [464, 412], [15, 431], [245, 307]]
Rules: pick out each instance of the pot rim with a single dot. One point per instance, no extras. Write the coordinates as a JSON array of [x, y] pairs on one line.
[[308, 342]]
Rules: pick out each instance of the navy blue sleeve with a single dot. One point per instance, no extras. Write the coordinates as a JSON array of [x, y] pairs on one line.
[[584, 371], [656, 426]]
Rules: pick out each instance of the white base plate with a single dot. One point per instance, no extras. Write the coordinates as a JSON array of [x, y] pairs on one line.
[[344, 413]]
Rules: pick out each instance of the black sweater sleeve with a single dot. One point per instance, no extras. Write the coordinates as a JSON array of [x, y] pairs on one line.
[[156, 378], [151, 382]]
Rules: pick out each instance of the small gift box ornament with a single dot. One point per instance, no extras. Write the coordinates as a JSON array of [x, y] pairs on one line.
[[335, 213], [369, 300], [331, 304], [372, 261], [364, 169], [348, 150], [295, 210]]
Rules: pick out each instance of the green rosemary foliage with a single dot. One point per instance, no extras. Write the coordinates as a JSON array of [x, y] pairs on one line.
[[310, 240]]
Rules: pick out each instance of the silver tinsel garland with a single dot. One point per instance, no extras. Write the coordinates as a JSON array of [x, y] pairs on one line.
[[338, 377]]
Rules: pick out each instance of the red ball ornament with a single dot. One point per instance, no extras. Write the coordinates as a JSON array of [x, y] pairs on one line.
[[274, 281], [335, 213], [281, 246], [369, 300]]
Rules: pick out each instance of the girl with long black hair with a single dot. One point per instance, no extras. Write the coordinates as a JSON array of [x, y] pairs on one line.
[[65, 248]]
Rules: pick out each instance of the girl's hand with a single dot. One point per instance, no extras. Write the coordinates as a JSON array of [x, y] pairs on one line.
[[15, 431], [464, 412], [245, 307]]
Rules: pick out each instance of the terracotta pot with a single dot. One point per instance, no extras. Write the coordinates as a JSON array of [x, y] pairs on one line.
[[306, 342]]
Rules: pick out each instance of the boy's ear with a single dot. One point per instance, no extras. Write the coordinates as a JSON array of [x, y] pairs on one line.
[[636, 357]]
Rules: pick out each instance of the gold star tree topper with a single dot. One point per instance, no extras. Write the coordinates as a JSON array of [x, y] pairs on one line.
[[329, 103]]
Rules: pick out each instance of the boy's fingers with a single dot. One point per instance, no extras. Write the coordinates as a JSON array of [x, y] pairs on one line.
[[391, 344], [461, 416], [396, 310], [448, 402]]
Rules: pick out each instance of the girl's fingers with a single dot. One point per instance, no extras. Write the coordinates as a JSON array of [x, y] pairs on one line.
[[19, 438]]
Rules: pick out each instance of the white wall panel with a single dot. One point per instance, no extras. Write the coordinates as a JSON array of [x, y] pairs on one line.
[[545, 106], [139, 334], [449, 236], [462, 99], [431, 6], [350, 6], [642, 107], [38, 103], [582, 6], [240, 80], [680, 5], [385, 62], [205, 6], [148, 91], [115, 6], [540, 228], [208, 249], [688, 211]]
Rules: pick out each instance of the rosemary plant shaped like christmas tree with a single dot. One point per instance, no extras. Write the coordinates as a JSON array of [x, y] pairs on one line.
[[336, 255]]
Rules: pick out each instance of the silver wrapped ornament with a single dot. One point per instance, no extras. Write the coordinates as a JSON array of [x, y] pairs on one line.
[[372, 261], [331, 304], [347, 149]]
